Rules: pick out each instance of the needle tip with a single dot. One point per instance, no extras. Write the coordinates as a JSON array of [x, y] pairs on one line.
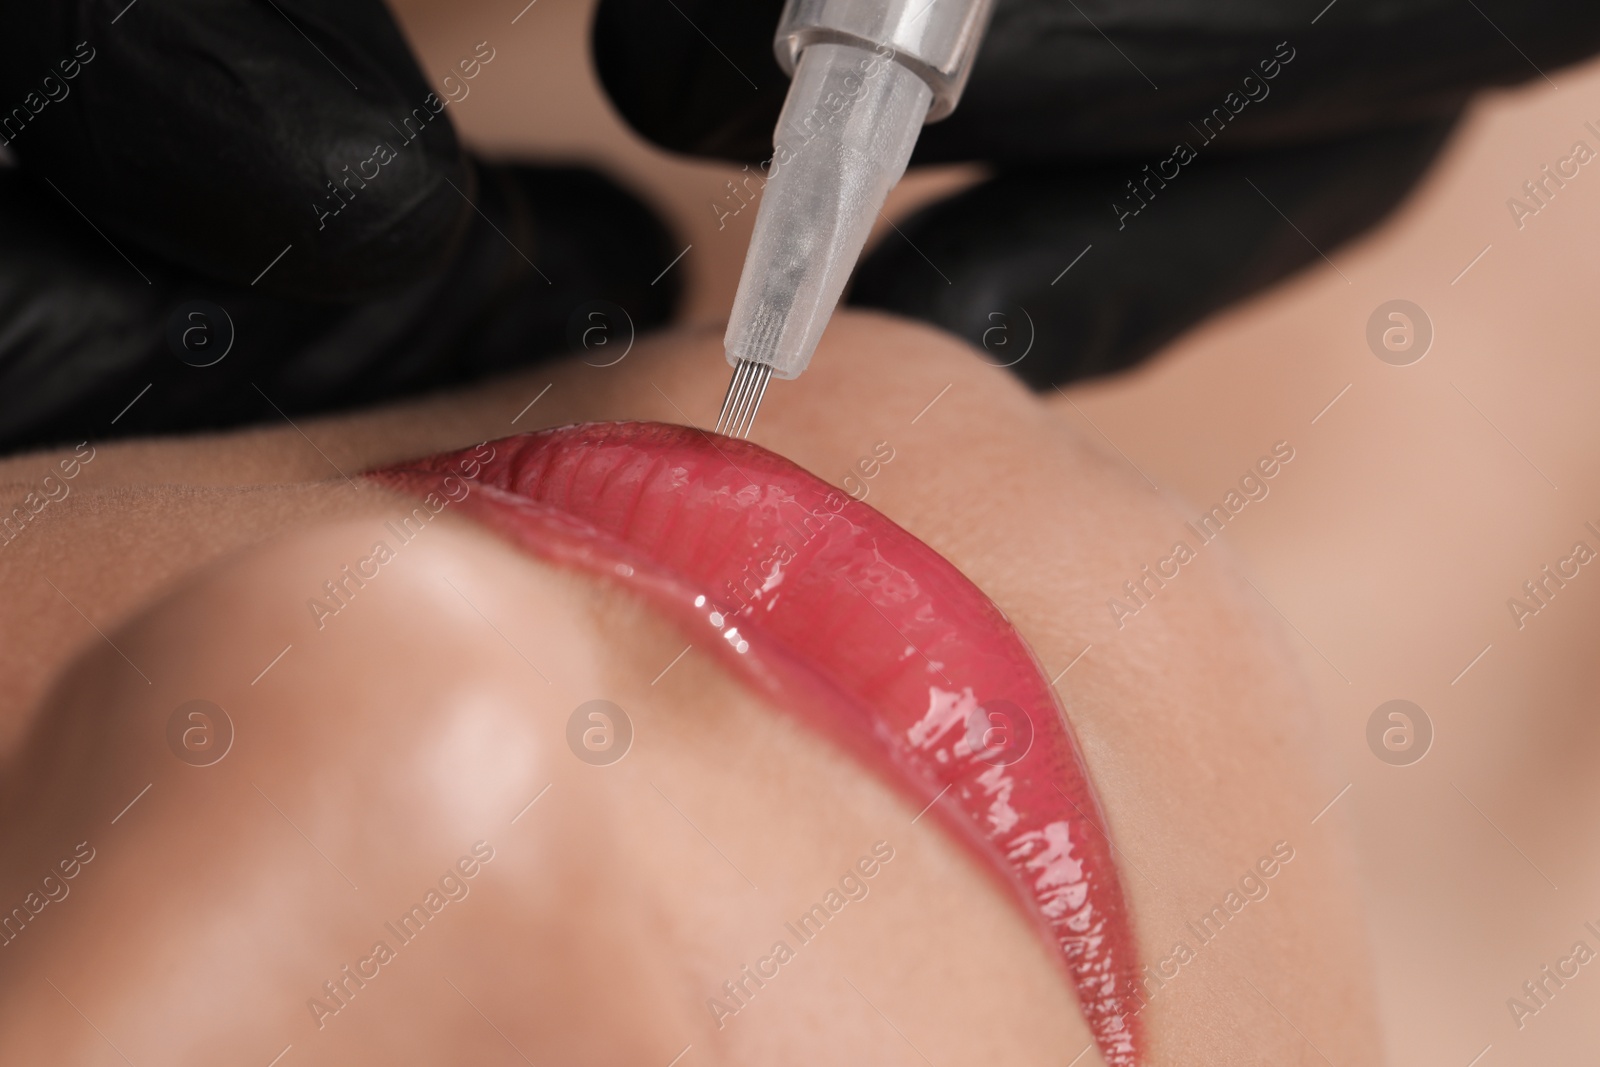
[[739, 407]]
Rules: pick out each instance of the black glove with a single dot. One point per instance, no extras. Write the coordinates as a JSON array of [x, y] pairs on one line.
[[280, 178], [1332, 111]]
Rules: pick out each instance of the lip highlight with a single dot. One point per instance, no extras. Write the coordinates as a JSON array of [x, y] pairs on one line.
[[850, 622]]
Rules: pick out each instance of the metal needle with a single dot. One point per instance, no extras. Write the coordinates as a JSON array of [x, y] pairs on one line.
[[739, 407]]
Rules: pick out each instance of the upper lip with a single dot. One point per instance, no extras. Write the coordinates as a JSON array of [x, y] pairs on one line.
[[853, 624]]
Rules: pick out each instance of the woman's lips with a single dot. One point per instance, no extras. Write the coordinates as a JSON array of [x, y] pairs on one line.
[[848, 621]]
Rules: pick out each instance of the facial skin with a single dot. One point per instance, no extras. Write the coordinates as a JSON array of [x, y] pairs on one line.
[[205, 903], [397, 741]]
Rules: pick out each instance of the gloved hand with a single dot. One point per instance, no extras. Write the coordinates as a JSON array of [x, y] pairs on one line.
[[288, 164], [1136, 127]]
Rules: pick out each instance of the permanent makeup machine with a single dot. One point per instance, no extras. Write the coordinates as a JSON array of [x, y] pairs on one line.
[[867, 74]]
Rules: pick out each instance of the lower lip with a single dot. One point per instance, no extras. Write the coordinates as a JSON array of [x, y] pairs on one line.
[[846, 620]]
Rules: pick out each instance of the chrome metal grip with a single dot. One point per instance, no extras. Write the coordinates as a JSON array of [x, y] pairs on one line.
[[937, 39]]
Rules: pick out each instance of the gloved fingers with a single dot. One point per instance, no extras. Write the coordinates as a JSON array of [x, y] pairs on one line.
[[293, 145], [1058, 81], [1064, 272], [559, 259], [1145, 76], [693, 76]]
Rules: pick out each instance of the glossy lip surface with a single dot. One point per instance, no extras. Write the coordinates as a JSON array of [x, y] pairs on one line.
[[849, 622]]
